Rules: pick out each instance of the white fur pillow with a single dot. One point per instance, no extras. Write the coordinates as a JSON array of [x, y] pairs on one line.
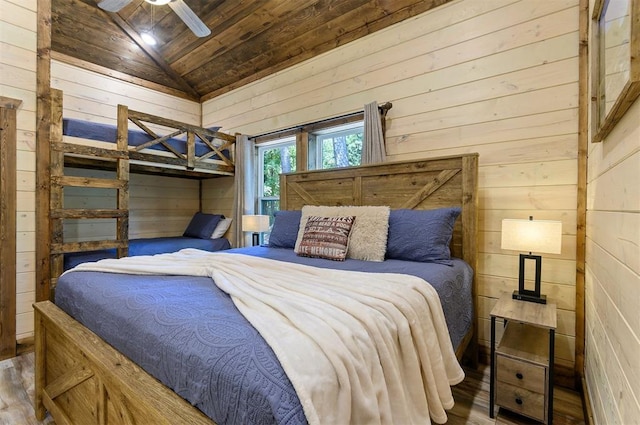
[[368, 240]]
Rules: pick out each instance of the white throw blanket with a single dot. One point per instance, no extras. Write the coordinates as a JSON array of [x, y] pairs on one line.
[[359, 348]]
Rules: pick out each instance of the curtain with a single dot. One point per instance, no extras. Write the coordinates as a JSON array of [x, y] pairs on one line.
[[245, 187], [373, 150]]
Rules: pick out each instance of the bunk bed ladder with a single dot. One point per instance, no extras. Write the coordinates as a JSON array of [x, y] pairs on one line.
[[59, 181]]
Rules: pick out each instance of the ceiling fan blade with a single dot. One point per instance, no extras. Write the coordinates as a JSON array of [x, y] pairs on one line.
[[113, 5], [190, 19]]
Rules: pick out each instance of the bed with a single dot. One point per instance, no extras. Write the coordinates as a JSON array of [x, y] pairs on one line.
[[205, 231], [153, 143], [82, 379], [141, 143], [148, 246]]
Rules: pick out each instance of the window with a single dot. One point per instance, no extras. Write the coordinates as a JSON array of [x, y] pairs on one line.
[[331, 145], [336, 147], [274, 159]]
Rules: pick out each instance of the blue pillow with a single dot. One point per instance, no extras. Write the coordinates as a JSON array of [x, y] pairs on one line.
[[285, 229], [202, 225], [421, 235]]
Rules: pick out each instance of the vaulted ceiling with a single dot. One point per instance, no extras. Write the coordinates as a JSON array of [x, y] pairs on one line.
[[249, 39]]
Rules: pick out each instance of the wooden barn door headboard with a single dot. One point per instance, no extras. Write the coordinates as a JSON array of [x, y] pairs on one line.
[[424, 184]]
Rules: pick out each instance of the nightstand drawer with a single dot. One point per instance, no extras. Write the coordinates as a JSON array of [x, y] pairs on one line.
[[521, 373], [521, 401]]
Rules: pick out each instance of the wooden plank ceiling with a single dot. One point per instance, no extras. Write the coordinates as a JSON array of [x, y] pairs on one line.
[[249, 39]]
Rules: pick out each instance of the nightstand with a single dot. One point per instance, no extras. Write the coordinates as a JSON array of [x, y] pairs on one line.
[[522, 363]]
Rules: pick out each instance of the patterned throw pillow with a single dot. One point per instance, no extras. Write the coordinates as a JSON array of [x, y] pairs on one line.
[[326, 237], [368, 239]]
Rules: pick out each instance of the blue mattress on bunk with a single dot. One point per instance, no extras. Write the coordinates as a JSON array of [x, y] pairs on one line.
[[187, 332], [108, 133], [148, 246]]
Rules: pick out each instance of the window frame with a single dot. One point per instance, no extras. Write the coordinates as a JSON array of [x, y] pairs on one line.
[[331, 132], [260, 151]]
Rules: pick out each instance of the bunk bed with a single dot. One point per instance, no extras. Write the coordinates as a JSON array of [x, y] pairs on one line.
[[87, 377], [153, 145], [202, 236]]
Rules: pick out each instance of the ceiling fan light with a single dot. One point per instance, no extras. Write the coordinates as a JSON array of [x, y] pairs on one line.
[[148, 39], [158, 2]]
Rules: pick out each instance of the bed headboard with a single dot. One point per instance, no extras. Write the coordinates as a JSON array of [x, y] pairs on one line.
[[424, 184]]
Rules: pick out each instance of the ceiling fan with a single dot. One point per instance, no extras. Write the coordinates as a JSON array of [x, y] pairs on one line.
[[178, 6]]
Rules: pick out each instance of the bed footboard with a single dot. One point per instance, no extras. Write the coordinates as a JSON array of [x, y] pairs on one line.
[[80, 379]]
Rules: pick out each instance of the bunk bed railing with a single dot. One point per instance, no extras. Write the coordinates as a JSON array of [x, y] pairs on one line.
[[219, 144]]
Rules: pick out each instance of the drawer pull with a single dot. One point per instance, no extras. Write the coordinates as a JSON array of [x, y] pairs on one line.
[[519, 375], [518, 401]]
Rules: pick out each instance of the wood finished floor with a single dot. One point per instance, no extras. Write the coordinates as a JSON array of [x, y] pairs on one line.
[[472, 399]]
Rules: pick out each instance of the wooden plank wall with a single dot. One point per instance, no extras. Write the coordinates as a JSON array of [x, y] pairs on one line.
[[496, 77], [159, 206], [217, 198], [612, 273], [18, 69], [94, 97]]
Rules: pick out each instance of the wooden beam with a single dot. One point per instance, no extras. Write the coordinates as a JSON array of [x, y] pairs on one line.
[[9, 103], [92, 164], [122, 175], [43, 133], [8, 201], [302, 151], [581, 208], [56, 191], [67, 381]]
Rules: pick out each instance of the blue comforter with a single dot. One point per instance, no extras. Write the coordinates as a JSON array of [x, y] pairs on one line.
[[188, 334]]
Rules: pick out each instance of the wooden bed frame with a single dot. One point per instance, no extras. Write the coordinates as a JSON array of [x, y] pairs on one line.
[[80, 379], [118, 157]]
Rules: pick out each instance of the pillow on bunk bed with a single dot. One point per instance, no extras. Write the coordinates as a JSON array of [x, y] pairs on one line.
[[202, 225], [221, 228], [284, 231], [421, 235]]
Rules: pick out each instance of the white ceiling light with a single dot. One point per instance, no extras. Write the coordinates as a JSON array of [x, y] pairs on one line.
[[158, 2], [148, 38]]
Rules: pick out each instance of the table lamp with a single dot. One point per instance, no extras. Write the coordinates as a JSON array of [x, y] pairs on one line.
[[256, 224], [540, 236]]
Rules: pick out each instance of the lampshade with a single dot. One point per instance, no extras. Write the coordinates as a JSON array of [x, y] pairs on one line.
[[540, 236], [255, 223]]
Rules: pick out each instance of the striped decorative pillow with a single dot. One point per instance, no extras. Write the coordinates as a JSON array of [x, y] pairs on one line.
[[326, 237]]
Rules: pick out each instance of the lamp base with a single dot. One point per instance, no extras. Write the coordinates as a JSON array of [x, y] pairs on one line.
[[517, 295]]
